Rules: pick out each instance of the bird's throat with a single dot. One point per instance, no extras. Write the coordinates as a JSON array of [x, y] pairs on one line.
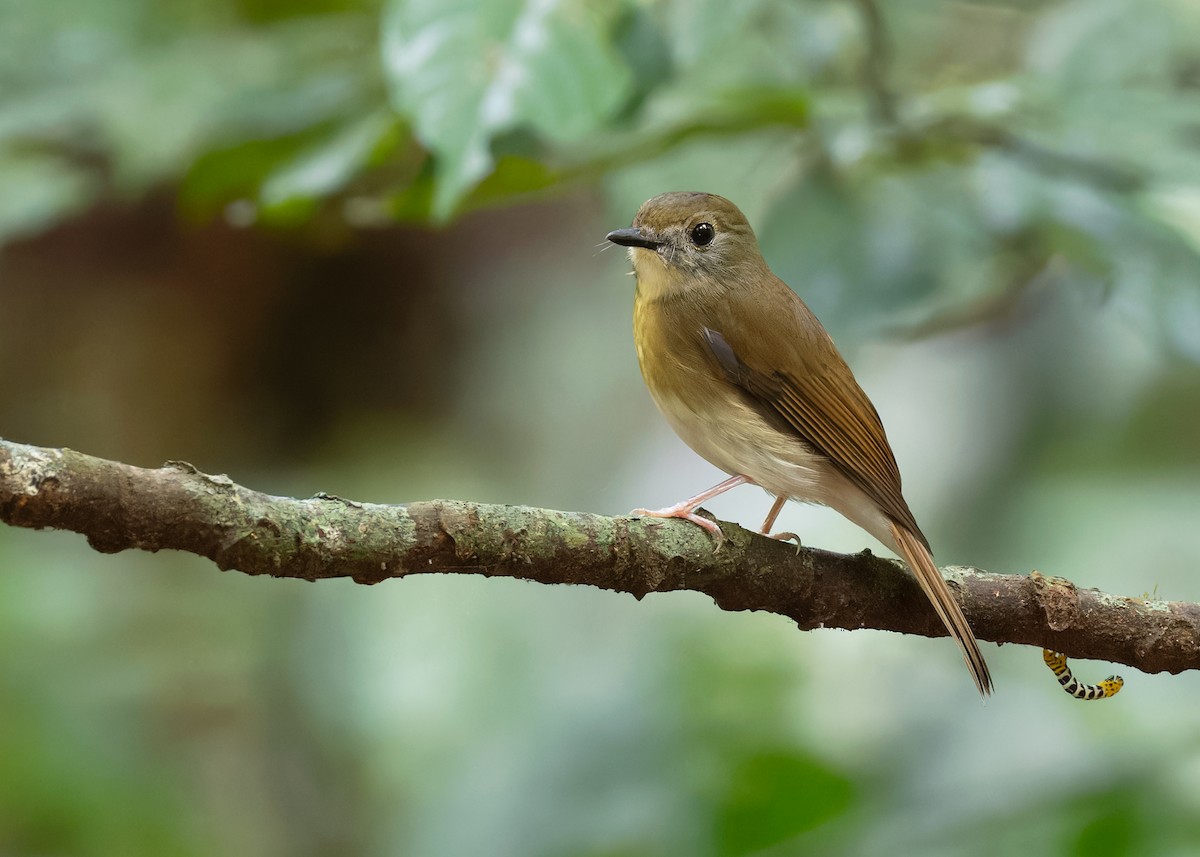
[[655, 278]]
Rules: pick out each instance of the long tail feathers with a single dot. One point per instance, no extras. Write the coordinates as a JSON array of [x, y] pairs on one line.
[[920, 560]]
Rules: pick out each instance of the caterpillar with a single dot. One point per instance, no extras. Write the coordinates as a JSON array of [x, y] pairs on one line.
[[1057, 662]]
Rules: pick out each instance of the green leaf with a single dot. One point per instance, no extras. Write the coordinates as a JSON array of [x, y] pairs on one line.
[[223, 175], [330, 165], [775, 796], [464, 73], [513, 176], [757, 41]]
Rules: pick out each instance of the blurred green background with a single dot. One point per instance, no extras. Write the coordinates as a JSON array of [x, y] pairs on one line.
[[356, 246]]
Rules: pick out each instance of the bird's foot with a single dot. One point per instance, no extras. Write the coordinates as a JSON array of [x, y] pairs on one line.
[[685, 512], [686, 509], [785, 537]]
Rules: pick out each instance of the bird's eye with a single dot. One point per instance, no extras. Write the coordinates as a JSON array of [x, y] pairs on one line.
[[702, 234]]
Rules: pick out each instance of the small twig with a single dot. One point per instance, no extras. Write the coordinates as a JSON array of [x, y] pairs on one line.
[[877, 58]]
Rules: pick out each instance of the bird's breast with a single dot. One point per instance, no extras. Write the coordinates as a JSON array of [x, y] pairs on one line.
[[710, 414]]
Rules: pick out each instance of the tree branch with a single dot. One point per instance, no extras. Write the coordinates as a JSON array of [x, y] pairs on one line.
[[119, 506]]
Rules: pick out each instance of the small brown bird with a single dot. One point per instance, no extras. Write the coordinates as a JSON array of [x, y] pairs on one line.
[[750, 380]]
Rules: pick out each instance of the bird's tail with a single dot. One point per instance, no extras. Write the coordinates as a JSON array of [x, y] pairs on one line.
[[920, 560]]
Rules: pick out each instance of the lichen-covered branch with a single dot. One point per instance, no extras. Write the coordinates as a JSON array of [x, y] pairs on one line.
[[118, 506]]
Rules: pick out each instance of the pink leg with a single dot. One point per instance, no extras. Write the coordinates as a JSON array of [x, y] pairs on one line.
[[687, 508], [772, 515], [770, 522]]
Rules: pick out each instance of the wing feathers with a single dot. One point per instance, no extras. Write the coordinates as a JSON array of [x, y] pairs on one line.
[[839, 423], [827, 409]]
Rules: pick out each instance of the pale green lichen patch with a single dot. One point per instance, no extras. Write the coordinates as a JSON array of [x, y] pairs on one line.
[[571, 531], [403, 526], [957, 574], [28, 467], [1144, 606], [1113, 602]]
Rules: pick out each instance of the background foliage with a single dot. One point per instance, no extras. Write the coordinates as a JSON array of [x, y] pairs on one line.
[[355, 246]]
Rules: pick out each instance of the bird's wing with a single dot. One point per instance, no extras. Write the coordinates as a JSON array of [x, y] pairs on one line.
[[822, 403]]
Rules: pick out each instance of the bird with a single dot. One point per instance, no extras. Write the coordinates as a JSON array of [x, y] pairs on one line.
[[749, 379]]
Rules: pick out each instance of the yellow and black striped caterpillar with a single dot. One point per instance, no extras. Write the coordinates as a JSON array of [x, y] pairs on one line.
[[1057, 662]]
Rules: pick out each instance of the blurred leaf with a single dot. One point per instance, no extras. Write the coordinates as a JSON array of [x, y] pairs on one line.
[[1113, 824], [414, 204], [331, 164], [757, 41], [1102, 44], [674, 121], [1178, 208], [145, 101], [274, 10], [66, 789], [513, 177], [223, 175], [464, 73], [775, 796], [36, 190], [1115, 834]]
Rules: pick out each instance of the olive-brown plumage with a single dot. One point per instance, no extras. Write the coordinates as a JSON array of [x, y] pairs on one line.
[[748, 377]]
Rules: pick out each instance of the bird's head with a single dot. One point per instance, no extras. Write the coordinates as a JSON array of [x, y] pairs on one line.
[[688, 241]]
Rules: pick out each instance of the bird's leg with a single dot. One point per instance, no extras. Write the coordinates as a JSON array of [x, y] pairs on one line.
[[686, 509], [770, 522], [772, 515]]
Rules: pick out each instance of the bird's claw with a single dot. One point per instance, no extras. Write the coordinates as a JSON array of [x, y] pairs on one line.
[[784, 537], [789, 537]]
